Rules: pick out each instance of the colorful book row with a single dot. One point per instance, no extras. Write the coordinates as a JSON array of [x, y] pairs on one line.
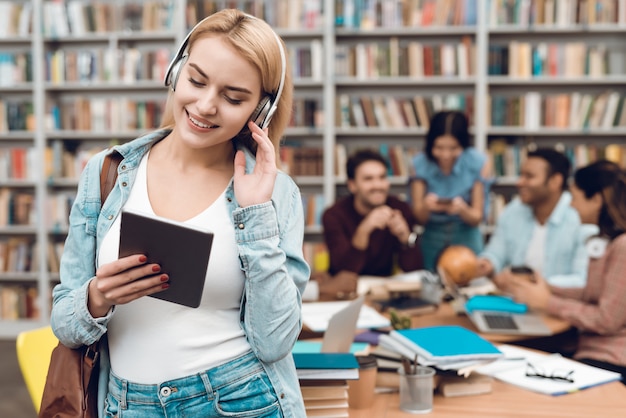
[[402, 58], [560, 13], [575, 111], [397, 112], [78, 18], [369, 14]]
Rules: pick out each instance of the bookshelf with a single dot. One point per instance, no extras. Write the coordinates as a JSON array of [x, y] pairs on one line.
[[367, 73]]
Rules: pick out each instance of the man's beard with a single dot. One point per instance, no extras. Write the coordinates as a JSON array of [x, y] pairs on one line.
[[371, 203]]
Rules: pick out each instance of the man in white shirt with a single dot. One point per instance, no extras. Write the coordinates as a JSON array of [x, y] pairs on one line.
[[539, 228]]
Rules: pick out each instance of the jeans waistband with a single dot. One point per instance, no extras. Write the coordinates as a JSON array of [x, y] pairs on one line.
[[185, 387]]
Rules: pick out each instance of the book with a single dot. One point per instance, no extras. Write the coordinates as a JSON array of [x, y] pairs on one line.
[[303, 346], [326, 366], [550, 374], [324, 389], [446, 343], [325, 398], [474, 384]]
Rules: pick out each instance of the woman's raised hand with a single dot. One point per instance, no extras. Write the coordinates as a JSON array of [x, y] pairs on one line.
[[256, 187]]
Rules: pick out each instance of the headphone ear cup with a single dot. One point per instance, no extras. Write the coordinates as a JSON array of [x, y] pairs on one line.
[[175, 73], [260, 113]]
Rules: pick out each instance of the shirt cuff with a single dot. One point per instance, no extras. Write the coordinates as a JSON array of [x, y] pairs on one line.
[[82, 310], [255, 222]]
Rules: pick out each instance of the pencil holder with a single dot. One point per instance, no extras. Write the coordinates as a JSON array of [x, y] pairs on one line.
[[416, 389]]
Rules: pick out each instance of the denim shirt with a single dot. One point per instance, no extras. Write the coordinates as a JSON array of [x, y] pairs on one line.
[[269, 241], [565, 259]]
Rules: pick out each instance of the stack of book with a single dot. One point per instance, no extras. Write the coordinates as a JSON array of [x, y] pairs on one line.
[[324, 382], [452, 350], [447, 347]]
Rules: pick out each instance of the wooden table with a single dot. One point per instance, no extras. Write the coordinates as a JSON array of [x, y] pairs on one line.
[[507, 401]]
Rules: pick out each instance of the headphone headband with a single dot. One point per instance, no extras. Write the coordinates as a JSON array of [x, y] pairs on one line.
[[174, 68]]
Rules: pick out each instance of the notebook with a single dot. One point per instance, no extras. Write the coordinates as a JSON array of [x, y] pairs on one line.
[[444, 343], [326, 365], [181, 250], [498, 314], [539, 372]]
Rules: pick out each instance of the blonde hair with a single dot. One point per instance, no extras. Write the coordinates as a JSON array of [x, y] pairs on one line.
[[255, 40]]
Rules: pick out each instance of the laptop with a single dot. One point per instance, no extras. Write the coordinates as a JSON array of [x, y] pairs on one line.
[[339, 334], [498, 322]]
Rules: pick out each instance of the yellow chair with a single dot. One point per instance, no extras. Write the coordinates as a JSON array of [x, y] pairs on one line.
[[34, 349]]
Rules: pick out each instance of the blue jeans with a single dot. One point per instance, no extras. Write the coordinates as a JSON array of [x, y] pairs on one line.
[[239, 388]]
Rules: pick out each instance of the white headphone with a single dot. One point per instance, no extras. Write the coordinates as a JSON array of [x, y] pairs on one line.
[[264, 111]]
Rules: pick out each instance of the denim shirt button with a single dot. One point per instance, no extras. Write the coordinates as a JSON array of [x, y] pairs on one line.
[[124, 167], [110, 217], [124, 184], [241, 226], [229, 200], [282, 396]]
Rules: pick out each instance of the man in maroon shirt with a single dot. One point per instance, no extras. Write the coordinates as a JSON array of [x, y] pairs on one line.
[[369, 232]]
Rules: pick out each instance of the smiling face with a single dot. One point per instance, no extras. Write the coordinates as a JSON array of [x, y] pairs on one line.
[[370, 185], [534, 186], [215, 95], [446, 149]]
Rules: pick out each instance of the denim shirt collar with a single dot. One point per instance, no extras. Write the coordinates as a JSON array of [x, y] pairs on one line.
[[559, 213]]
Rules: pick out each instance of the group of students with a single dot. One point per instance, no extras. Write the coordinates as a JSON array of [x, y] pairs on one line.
[[571, 234], [213, 163]]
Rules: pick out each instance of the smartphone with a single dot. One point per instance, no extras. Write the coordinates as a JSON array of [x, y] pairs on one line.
[[444, 200], [525, 271]]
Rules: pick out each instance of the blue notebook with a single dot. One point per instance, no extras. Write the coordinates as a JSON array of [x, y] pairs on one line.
[[303, 346], [326, 366], [495, 303], [325, 361], [446, 343]]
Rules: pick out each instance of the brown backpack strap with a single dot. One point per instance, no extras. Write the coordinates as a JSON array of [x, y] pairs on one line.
[[108, 174]]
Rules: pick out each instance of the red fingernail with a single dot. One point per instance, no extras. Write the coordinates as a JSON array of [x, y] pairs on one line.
[[143, 258], [165, 285], [164, 278], [156, 268]]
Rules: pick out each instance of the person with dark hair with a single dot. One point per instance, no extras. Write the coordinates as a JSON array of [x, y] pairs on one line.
[[370, 232], [597, 310], [539, 229], [450, 188]]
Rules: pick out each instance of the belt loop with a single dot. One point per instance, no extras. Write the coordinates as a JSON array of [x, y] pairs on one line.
[[207, 385], [123, 404]]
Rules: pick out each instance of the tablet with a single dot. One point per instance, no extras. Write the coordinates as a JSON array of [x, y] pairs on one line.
[[181, 250]]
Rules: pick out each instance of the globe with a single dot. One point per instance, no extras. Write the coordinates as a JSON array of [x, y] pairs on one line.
[[458, 263]]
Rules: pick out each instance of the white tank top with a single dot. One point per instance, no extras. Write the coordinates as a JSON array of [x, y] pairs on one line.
[[151, 340]]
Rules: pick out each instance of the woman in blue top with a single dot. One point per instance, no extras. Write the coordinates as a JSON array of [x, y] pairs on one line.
[[450, 187], [213, 164]]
